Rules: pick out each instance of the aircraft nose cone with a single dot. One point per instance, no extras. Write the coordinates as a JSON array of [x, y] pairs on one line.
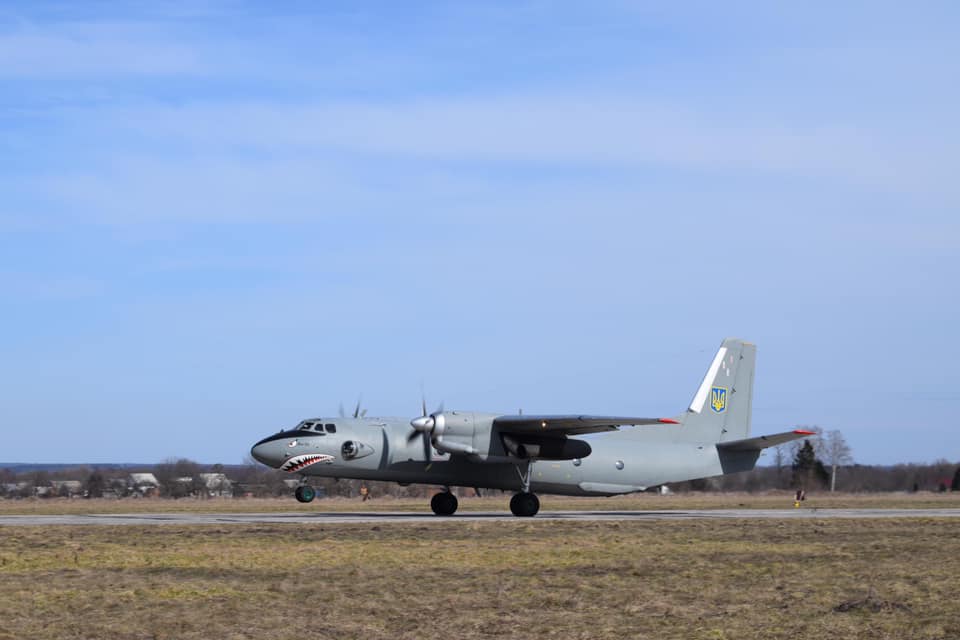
[[258, 453], [267, 452]]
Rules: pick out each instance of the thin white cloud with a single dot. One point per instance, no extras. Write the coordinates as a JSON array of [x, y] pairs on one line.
[[95, 49], [557, 129]]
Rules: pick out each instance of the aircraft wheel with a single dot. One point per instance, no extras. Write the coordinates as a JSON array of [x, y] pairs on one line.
[[525, 505], [305, 493], [444, 504]]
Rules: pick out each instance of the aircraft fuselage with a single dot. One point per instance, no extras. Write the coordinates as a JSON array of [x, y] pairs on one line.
[[618, 463]]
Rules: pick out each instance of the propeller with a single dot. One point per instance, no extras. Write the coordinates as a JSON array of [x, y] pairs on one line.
[[423, 427]]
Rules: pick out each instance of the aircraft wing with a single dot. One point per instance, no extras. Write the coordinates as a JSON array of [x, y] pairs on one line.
[[762, 442], [569, 425]]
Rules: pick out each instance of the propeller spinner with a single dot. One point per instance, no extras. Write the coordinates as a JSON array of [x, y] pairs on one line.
[[425, 425]]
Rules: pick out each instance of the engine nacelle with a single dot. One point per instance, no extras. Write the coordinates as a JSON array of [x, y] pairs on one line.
[[472, 434], [465, 433]]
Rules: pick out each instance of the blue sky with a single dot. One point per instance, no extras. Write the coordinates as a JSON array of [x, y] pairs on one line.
[[220, 218]]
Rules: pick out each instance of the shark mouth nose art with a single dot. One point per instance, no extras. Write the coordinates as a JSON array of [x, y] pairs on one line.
[[301, 462]]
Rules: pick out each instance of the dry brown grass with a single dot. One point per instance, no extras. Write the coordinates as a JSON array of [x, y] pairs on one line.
[[469, 579], [494, 502]]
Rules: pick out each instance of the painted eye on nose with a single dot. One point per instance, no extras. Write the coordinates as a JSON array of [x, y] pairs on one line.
[[292, 443]]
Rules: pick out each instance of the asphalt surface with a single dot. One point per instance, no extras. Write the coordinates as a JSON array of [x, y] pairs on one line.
[[472, 516]]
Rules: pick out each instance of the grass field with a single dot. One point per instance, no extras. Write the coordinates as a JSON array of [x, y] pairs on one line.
[[492, 502], [466, 579]]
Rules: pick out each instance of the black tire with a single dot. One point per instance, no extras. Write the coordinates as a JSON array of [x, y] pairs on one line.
[[305, 493], [444, 504], [524, 505]]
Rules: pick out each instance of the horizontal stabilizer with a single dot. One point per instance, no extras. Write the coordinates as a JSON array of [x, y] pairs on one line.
[[762, 442]]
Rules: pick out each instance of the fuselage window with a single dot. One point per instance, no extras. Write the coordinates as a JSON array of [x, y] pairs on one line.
[[331, 428]]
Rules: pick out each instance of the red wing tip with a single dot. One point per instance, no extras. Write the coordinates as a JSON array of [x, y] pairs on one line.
[[667, 421], [801, 432]]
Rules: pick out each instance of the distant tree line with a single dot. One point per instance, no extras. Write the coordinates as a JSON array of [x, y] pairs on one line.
[[824, 462]]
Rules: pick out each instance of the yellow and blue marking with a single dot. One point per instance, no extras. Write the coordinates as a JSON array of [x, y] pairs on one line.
[[718, 399]]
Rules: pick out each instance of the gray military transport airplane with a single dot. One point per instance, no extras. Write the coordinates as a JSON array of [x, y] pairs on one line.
[[537, 453]]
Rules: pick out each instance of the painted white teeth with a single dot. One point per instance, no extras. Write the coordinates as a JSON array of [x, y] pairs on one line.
[[298, 463]]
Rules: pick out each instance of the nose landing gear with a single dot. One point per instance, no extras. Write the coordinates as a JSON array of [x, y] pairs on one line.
[[305, 493]]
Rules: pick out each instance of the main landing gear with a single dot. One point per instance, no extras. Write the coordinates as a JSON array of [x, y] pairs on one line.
[[525, 504], [305, 493], [444, 503]]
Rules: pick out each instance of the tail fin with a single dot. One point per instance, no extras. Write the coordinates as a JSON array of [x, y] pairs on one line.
[[720, 410]]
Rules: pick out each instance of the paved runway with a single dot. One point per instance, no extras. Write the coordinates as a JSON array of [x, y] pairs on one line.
[[467, 516]]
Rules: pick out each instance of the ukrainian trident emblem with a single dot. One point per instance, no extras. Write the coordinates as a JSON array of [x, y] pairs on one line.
[[718, 399]]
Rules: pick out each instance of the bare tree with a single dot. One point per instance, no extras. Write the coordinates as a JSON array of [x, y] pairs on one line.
[[779, 457], [836, 452], [172, 475]]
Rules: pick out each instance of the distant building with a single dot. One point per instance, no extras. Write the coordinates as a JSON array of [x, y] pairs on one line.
[[16, 489], [144, 484], [67, 488], [217, 484]]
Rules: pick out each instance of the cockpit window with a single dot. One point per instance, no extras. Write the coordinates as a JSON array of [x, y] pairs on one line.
[[331, 428], [318, 428]]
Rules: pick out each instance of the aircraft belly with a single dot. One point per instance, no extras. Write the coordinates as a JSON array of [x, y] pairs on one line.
[[620, 465], [454, 472], [559, 477]]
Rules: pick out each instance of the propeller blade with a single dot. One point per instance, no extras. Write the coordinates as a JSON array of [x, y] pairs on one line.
[[423, 426], [356, 410], [426, 449], [340, 411]]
